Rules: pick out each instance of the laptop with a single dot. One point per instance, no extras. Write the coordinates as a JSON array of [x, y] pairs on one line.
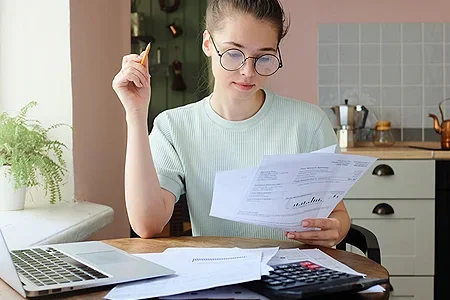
[[45, 270]]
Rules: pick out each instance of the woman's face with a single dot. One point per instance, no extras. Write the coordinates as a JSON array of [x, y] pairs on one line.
[[254, 38]]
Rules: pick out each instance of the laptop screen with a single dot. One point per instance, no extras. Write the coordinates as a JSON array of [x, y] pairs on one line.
[[8, 272]]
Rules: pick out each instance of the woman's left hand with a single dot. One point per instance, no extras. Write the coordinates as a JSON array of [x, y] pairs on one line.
[[327, 236]]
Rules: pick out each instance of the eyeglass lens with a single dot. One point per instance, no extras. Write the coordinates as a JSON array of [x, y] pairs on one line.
[[265, 65]]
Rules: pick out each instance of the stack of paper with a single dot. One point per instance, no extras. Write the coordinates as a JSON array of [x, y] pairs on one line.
[[286, 189], [283, 256], [198, 269], [214, 273]]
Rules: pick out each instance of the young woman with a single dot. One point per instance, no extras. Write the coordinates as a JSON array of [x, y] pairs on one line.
[[230, 129]]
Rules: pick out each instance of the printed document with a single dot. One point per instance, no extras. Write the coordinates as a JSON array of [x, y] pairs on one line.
[[266, 254], [195, 270], [283, 256], [286, 189]]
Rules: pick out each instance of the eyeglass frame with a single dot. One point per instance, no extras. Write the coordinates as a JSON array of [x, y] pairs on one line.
[[280, 61]]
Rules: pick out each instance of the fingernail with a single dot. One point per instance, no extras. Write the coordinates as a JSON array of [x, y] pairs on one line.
[[305, 223], [290, 235]]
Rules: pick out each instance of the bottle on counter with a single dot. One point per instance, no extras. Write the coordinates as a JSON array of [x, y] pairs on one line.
[[383, 136]]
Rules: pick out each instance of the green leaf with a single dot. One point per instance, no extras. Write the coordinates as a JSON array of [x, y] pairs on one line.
[[35, 158]]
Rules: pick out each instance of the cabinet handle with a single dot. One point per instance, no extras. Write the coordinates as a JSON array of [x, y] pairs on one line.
[[383, 209], [383, 170]]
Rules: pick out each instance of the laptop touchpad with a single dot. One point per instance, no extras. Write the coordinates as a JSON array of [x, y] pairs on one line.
[[105, 257]]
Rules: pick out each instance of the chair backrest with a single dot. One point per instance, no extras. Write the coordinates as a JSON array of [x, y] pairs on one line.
[[363, 239], [178, 218]]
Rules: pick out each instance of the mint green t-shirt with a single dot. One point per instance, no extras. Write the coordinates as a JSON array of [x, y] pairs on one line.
[[191, 143]]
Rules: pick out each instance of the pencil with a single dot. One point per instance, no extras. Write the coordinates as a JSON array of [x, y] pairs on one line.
[[147, 50]]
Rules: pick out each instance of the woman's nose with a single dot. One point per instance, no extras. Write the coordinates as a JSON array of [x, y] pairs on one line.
[[248, 68]]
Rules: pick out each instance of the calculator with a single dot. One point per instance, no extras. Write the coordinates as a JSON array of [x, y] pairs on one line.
[[306, 279]]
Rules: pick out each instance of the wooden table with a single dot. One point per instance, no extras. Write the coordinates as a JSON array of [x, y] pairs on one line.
[[136, 245]]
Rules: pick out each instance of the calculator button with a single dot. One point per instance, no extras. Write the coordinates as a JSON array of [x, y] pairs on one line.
[[313, 267], [289, 281]]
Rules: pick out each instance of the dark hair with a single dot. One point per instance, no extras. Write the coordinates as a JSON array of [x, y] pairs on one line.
[[267, 10]]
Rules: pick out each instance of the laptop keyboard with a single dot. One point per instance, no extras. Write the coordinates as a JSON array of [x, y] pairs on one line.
[[48, 266]]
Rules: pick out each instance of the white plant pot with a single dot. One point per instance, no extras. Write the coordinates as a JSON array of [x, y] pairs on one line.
[[10, 199]]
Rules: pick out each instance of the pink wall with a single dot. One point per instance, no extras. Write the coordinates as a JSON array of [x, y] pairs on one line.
[[100, 36], [299, 48]]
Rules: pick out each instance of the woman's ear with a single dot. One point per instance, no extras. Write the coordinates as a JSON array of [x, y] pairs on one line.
[[206, 44]]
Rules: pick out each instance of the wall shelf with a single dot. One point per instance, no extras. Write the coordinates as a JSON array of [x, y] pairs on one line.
[[145, 39]]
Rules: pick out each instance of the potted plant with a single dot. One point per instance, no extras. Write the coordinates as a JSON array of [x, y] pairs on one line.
[[28, 158]]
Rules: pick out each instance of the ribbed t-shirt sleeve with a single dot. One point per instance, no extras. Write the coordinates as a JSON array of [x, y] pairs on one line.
[[167, 161], [324, 136]]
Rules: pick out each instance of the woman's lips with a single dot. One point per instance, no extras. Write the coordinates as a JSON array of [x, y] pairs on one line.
[[243, 86]]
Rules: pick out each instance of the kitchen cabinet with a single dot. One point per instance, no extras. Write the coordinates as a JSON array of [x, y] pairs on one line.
[[395, 199], [412, 288]]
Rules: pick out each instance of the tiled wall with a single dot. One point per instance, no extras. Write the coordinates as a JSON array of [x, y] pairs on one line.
[[399, 71]]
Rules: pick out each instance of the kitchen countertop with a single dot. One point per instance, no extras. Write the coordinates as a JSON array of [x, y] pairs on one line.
[[400, 150]]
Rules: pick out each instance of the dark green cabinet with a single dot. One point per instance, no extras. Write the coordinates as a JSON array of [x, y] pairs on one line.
[[186, 48]]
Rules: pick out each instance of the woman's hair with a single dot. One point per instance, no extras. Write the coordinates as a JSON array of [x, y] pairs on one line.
[[219, 11]]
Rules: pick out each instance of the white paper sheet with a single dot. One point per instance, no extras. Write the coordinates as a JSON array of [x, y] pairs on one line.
[[266, 254], [374, 289], [226, 292], [231, 186], [286, 256], [329, 149], [195, 270], [325, 260], [286, 189]]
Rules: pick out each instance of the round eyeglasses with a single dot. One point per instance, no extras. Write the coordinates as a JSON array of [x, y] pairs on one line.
[[234, 59]]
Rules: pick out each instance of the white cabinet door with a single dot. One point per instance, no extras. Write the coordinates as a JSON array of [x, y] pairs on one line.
[[406, 236], [412, 288], [396, 179]]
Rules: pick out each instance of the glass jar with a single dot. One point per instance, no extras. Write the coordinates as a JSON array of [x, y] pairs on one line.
[[383, 136]]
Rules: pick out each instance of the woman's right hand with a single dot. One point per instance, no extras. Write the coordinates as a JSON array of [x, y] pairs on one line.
[[132, 84]]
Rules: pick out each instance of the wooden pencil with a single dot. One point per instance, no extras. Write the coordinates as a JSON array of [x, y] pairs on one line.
[[147, 50]]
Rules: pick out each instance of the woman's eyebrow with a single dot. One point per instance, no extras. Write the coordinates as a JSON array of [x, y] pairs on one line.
[[243, 47]]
